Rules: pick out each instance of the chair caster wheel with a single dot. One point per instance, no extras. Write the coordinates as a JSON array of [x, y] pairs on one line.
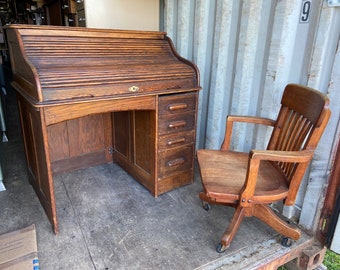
[[206, 206], [220, 248], [286, 242]]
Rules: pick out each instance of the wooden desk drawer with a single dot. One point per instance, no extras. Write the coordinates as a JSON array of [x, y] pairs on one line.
[[176, 123], [176, 139], [179, 103], [175, 160]]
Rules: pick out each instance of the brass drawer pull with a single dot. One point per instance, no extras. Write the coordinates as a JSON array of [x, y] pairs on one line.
[[179, 140], [177, 106], [133, 89], [175, 162], [177, 124]]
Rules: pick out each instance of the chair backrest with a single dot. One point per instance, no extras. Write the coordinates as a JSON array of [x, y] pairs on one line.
[[300, 123]]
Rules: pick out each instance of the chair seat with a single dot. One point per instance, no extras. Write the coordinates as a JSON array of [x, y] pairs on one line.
[[224, 173]]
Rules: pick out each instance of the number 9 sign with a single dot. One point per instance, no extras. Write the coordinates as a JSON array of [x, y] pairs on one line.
[[305, 11]]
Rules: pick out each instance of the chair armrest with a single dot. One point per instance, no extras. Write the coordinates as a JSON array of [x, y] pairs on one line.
[[242, 119], [251, 119], [255, 156], [282, 156]]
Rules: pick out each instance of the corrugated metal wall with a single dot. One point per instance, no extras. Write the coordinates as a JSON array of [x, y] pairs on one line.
[[247, 51]]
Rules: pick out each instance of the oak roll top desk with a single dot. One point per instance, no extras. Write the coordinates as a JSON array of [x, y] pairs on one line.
[[89, 96]]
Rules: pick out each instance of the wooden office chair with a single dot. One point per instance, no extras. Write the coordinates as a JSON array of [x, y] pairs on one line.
[[250, 182]]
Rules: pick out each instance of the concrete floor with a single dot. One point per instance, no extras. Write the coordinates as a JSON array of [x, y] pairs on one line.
[[107, 220]]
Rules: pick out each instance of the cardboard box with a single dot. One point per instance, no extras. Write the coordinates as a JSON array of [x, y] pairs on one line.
[[18, 250]]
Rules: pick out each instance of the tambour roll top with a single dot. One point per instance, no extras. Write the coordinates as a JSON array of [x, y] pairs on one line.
[[52, 63]]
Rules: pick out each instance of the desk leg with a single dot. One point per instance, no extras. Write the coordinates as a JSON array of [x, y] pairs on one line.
[[38, 157]]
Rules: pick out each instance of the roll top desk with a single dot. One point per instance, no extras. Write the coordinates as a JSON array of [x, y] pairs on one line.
[[91, 96]]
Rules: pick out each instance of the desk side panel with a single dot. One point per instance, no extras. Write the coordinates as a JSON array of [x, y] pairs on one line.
[[24, 73], [134, 137], [37, 157]]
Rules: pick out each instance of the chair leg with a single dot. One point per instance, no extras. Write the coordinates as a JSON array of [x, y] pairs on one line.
[[267, 215], [232, 228]]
